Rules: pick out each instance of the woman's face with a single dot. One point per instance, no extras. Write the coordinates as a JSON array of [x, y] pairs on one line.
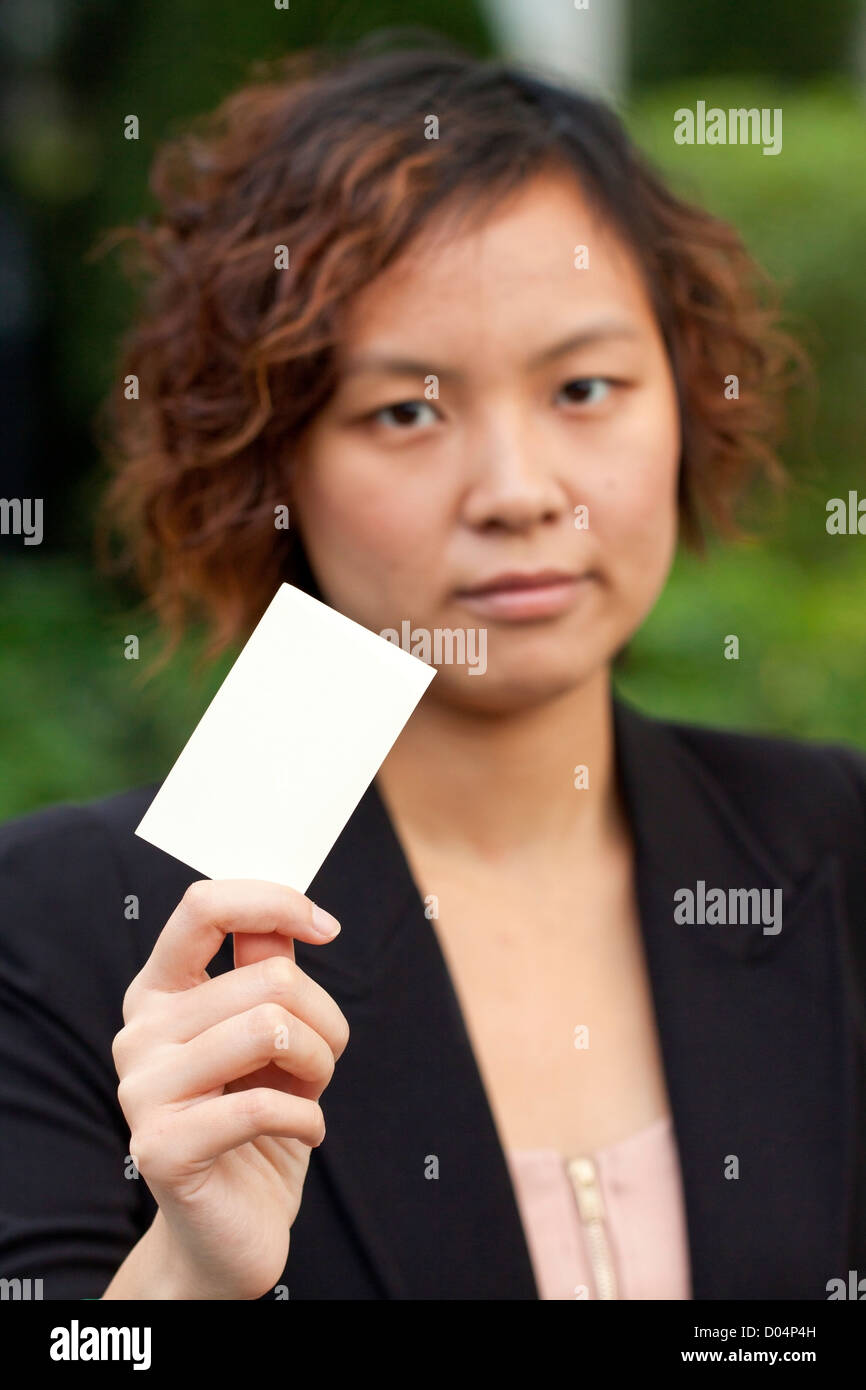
[[500, 410]]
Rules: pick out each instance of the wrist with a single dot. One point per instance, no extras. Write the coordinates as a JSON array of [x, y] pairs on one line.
[[155, 1269]]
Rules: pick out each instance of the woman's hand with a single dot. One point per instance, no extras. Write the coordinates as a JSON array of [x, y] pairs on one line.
[[220, 1081]]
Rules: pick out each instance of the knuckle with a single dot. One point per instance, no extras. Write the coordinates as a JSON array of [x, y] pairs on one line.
[[127, 1045], [127, 1093], [280, 974], [139, 1149], [197, 898], [318, 1125], [153, 1145], [254, 1104], [146, 1153], [328, 1064], [269, 1020], [313, 1054], [343, 1034], [118, 1048], [130, 999]]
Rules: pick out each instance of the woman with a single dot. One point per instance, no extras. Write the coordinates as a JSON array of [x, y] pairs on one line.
[[593, 1027]]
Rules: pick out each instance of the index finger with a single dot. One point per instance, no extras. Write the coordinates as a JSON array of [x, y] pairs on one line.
[[212, 908]]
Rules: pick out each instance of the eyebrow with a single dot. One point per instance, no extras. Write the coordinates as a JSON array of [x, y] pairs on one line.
[[603, 331]]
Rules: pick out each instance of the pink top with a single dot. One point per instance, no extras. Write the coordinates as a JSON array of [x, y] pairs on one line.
[[607, 1225]]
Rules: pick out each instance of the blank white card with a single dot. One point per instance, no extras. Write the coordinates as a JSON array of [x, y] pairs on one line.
[[287, 747]]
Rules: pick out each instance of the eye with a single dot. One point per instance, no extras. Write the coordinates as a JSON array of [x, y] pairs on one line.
[[586, 390], [405, 416]]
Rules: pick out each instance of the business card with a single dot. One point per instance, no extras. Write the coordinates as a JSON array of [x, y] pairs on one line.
[[287, 747]]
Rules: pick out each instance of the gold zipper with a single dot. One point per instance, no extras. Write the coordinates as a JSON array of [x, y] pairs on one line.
[[590, 1205]]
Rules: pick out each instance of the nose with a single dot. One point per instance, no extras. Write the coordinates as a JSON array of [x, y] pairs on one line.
[[514, 484]]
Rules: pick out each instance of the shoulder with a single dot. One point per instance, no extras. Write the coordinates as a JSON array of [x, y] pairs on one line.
[[764, 765], [801, 794], [775, 748], [69, 830], [75, 875]]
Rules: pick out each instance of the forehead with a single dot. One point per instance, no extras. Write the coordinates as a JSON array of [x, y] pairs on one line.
[[513, 270]]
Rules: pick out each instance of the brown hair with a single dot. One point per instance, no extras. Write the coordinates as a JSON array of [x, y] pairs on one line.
[[327, 156]]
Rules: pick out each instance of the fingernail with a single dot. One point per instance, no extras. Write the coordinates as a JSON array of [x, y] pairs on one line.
[[324, 923]]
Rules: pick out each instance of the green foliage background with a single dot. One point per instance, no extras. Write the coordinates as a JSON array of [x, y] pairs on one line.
[[77, 721]]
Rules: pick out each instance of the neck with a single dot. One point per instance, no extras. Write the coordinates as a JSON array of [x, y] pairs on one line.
[[489, 785]]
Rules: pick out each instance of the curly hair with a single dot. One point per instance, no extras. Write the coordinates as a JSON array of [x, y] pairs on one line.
[[325, 155]]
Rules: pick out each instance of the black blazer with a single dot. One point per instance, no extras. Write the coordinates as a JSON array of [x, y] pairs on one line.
[[763, 1039]]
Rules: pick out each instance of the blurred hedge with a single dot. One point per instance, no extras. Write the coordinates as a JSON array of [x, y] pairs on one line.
[[798, 598]]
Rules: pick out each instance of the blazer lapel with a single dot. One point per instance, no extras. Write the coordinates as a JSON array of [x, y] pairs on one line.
[[758, 1059], [758, 1056], [411, 1144]]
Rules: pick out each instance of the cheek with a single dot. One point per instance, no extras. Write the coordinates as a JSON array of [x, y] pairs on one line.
[[358, 522], [636, 509], [648, 508]]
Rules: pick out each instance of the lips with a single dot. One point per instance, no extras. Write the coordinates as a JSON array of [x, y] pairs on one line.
[[518, 581], [526, 596]]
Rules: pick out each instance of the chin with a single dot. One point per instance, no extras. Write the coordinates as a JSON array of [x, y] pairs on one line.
[[506, 689]]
